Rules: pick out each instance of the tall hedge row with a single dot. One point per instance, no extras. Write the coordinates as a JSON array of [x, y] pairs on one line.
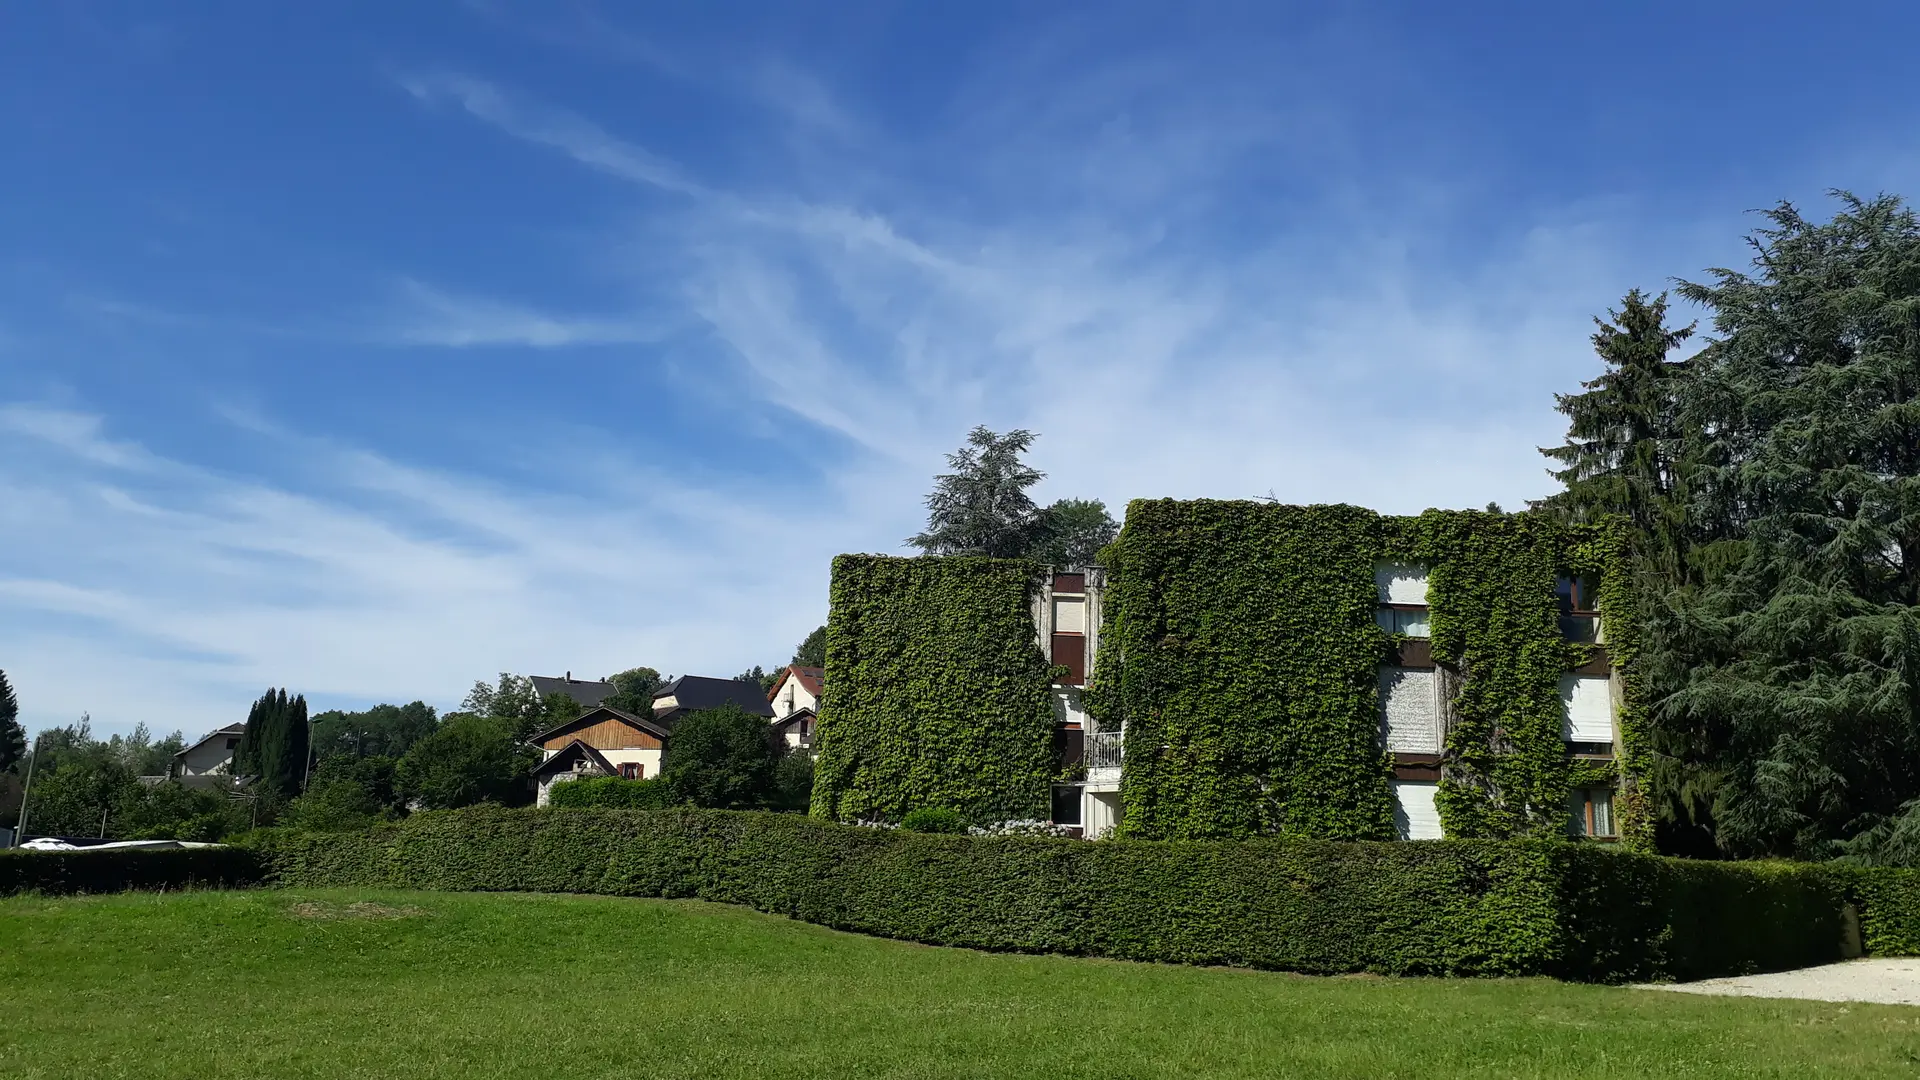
[[937, 693], [1446, 908], [62, 872]]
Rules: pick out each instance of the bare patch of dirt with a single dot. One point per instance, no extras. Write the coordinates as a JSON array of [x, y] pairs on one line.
[[320, 910]]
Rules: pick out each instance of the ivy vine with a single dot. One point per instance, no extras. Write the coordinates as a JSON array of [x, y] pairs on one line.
[[936, 694], [1241, 651]]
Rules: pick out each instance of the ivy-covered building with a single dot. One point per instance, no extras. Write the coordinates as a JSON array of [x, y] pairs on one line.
[[1255, 669]]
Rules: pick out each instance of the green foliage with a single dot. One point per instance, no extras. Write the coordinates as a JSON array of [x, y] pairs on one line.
[[613, 793], [66, 872], [513, 699], [721, 758], [812, 650], [556, 709], [97, 796], [1072, 532], [13, 737], [633, 691], [792, 788], [938, 693], [1799, 652], [347, 793], [933, 819], [274, 745], [1241, 652], [1448, 907], [382, 731], [758, 674], [982, 506], [470, 759]]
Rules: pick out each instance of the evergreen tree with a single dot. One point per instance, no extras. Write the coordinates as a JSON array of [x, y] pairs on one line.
[[982, 506], [1625, 444], [13, 738], [1629, 456], [275, 744], [1802, 638]]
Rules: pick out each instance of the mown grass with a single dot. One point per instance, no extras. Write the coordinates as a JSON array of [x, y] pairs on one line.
[[367, 983]]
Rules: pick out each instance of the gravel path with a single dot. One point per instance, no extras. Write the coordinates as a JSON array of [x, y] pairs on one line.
[[1889, 981]]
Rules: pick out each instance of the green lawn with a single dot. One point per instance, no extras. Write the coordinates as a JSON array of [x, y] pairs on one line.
[[364, 983]]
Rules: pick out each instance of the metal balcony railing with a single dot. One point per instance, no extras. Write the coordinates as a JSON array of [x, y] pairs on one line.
[[1104, 749]]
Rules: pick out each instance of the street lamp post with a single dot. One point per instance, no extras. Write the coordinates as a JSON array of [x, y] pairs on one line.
[[20, 826]]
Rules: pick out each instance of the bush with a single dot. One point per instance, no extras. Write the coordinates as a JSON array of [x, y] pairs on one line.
[[1440, 908], [722, 758], [470, 759], [60, 872], [334, 805], [934, 819], [613, 793]]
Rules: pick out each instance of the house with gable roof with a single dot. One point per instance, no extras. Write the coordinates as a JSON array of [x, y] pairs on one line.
[[605, 741]]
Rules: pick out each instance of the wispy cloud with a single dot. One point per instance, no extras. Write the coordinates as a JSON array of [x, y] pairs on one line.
[[429, 316], [585, 142]]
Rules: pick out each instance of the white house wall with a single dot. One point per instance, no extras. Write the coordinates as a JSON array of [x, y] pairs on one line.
[[1400, 583]]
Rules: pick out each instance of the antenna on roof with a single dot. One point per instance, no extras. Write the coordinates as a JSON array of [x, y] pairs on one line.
[[569, 676]]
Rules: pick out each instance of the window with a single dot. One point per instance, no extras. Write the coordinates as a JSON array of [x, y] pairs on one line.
[[1591, 812], [631, 770], [1410, 621], [1415, 815], [1402, 593], [1069, 615], [1409, 711], [1586, 703], [1066, 805], [1579, 609]]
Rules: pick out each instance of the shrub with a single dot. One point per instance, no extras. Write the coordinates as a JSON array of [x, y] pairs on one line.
[[934, 819], [333, 805], [721, 758], [1442, 908], [470, 759], [61, 872], [613, 793]]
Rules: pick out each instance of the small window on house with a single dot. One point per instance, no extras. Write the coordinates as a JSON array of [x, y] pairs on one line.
[[631, 770], [1066, 805], [1409, 711], [1401, 590], [1069, 615], [1416, 816], [1579, 609], [1591, 812], [1586, 703]]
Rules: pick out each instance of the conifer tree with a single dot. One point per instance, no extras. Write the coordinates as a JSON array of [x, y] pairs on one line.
[[13, 738], [275, 743], [982, 506], [1801, 640]]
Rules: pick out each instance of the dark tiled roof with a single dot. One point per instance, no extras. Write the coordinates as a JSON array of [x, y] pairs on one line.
[[585, 692], [696, 692]]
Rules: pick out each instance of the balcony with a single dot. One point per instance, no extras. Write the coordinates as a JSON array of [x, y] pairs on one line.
[[1105, 749]]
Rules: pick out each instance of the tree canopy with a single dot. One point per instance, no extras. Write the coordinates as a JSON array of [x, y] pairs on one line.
[[812, 650], [981, 507], [274, 745], [722, 758], [13, 738], [469, 759]]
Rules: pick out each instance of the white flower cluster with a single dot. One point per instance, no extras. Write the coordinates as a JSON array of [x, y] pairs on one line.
[[1025, 827]]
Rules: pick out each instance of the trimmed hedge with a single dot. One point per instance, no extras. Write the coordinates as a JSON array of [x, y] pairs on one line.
[[62, 872], [1526, 907]]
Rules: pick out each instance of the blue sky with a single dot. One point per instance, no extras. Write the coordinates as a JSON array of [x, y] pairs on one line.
[[375, 348]]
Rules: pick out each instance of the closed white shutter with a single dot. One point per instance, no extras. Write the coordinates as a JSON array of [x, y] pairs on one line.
[[1409, 711], [1588, 703], [1069, 616], [1400, 583], [1415, 814]]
